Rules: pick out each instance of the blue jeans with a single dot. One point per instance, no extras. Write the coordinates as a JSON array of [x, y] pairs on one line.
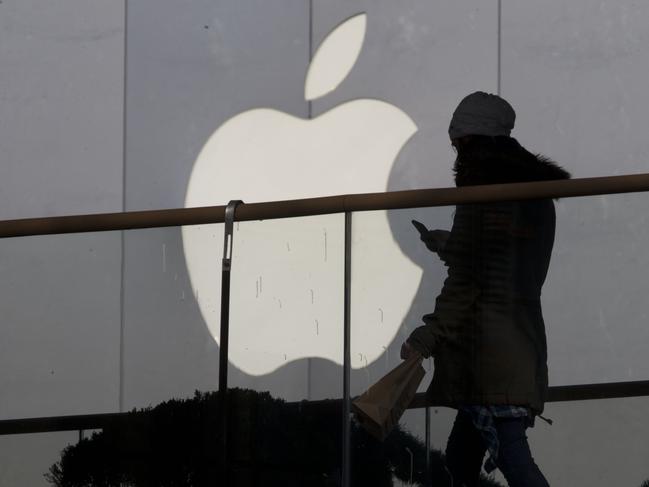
[[465, 451]]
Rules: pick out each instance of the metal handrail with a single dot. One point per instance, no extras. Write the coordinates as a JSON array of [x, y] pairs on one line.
[[319, 206], [581, 392], [325, 205]]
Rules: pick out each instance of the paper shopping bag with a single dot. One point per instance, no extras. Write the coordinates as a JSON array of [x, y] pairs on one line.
[[379, 408]]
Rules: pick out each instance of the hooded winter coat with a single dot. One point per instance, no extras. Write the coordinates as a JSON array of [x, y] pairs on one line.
[[487, 333]]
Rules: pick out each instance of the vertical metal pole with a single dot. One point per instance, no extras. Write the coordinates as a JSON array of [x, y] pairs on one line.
[[228, 238], [309, 363], [429, 478], [122, 311], [346, 480], [499, 47]]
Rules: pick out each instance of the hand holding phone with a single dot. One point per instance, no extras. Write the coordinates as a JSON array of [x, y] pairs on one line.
[[435, 240]]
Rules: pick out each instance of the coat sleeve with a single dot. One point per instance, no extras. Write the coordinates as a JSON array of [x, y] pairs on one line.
[[424, 340], [461, 288]]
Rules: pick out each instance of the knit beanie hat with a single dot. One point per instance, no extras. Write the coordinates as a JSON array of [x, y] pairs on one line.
[[482, 114]]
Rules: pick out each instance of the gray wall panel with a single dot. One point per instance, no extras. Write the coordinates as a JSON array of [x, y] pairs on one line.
[[191, 68], [422, 57], [61, 139], [59, 353], [14, 449], [60, 107], [60, 319], [61, 80], [576, 75], [168, 349]]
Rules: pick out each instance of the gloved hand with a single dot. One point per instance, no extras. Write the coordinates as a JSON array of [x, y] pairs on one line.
[[407, 351]]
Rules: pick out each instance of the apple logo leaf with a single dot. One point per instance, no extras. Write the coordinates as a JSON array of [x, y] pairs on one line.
[[335, 57]]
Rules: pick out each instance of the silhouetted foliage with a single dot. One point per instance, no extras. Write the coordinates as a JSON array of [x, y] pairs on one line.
[[272, 443]]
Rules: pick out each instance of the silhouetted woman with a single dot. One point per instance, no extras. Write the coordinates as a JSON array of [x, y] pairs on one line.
[[486, 333]]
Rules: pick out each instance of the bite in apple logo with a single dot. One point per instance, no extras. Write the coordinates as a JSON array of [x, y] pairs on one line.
[[287, 287]]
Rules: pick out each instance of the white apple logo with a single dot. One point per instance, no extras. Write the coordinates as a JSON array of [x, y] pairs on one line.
[[287, 275]]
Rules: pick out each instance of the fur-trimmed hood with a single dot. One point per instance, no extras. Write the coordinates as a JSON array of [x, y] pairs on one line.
[[514, 165]]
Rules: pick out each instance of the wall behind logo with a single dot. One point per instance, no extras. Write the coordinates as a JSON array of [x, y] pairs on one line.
[[574, 73], [238, 64]]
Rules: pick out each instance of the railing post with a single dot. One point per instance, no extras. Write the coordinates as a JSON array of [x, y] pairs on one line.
[[228, 237], [429, 478], [346, 467]]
